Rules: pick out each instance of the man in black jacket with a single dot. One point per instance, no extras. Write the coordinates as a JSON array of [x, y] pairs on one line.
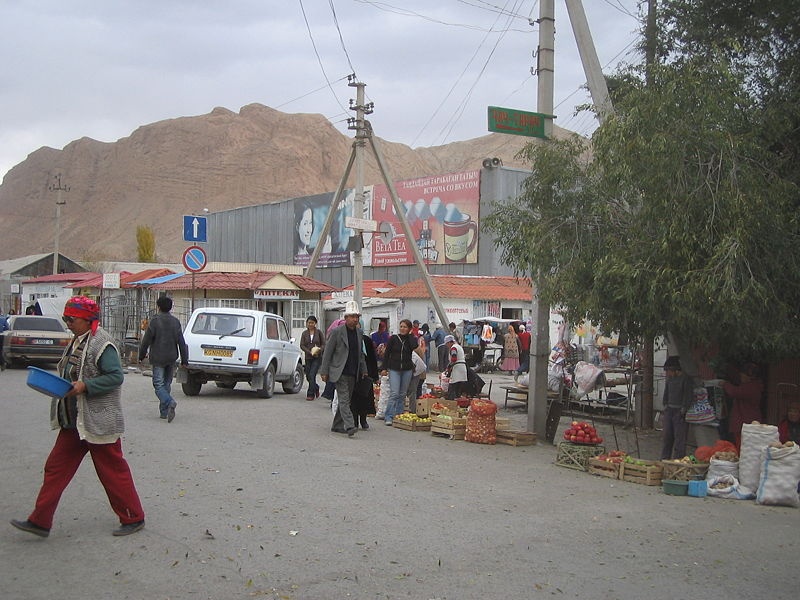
[[164, 340]]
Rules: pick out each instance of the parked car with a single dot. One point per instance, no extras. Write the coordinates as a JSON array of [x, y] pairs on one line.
[[34, 339], [230, 345]]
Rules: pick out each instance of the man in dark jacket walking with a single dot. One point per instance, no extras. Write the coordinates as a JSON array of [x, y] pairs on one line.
[[164, 340]]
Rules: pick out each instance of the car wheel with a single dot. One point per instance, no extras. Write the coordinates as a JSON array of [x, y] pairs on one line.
[[268, 388], [191, 387], [295, 384]]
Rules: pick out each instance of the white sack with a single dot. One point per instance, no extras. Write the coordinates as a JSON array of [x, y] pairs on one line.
[[383, 399], [717, 468], [755, 437], [780, 474]]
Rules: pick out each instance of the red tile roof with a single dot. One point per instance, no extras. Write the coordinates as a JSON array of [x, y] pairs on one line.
[[239, 281], [372, 288], [466, 286], [126, 277], [62, 278]]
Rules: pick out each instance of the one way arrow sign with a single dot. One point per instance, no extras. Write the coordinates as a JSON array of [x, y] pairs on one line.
[[194, 229]]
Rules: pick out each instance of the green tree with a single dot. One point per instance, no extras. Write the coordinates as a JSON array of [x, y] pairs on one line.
[[679, 223], [145, 244]]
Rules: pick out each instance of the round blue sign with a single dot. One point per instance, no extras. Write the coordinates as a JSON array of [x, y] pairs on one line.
[[194, 259]]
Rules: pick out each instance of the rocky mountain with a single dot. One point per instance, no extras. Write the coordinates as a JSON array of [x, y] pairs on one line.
[[180, 166]]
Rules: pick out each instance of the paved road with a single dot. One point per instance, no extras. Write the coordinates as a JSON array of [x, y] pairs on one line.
[[248, 498]]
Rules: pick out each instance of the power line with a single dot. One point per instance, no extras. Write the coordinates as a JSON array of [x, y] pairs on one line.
[[319, 59]]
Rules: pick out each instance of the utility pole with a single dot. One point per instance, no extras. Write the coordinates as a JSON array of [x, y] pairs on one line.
[[540, 342], [358, 202], [58, 187], [364, 128]]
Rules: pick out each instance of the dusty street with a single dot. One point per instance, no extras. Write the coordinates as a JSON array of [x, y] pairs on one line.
[[248, 497]]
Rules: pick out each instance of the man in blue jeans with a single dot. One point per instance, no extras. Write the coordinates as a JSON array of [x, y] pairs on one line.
[[164, 340]]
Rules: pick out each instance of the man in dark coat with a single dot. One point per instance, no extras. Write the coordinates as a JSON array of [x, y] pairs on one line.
[[163, 340]]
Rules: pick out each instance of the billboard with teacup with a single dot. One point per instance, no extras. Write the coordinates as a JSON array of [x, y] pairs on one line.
[[443, 214]]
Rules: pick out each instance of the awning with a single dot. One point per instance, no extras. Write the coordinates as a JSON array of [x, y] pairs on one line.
[[154, 280]]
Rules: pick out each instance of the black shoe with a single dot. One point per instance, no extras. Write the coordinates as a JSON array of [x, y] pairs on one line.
[[128, 528], [364, 424], [352, 431], [170, 415], [162, 416], [338, 430], [30, 528]]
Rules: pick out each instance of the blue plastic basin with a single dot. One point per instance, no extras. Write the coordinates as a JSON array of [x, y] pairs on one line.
[[47, 383]]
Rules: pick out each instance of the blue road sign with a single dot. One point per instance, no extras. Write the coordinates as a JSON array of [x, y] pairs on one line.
[[194, 259], [194, 229]]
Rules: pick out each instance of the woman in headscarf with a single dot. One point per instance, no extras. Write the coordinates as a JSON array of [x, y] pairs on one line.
[[88, 419]]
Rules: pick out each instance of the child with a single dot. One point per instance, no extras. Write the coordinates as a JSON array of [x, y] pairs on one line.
[[789, 428]]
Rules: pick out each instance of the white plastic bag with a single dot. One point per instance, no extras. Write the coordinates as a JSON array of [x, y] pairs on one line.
[[755, 437], [383, 399], [780, 473], [335, 403], [727, 486], [444, 382]]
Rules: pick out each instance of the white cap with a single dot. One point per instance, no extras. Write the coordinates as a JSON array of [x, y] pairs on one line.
[[449, 338], [351, 308]]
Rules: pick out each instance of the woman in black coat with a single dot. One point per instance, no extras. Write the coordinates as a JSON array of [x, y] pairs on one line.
[[362, 402]]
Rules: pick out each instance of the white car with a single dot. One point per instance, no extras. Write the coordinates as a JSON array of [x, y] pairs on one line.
[[229, 345]]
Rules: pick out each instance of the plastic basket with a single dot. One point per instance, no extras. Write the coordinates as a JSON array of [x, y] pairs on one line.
[[47, 383], [675, 488]]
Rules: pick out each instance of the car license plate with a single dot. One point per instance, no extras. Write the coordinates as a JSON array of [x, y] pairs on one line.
[[218, 352], [40, 342]]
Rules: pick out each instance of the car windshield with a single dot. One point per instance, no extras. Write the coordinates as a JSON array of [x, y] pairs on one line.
[[223, 324], [37, 324]]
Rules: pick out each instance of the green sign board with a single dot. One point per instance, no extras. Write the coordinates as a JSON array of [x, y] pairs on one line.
[[516, 122]]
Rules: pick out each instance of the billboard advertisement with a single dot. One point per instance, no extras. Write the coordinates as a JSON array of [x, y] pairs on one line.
[[309, 219], [443, 212]]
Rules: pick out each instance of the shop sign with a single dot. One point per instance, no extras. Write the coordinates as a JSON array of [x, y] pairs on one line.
[[276, 294]]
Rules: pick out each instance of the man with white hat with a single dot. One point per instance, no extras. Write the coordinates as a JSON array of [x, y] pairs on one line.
[[343, 363]]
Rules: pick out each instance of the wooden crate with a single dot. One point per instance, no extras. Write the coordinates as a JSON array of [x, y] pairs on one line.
[[452, 407], [576, 456], [650, 473], [454, 428], [603, 468], [676, 470], [515, 438], [411, 425], [502, 423]]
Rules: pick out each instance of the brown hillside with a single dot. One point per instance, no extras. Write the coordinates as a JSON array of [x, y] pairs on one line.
[[175, 167]]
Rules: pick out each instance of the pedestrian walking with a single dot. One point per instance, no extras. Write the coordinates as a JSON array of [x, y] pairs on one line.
[[88, 419], [312, 343], [163, 342], [343, 363]]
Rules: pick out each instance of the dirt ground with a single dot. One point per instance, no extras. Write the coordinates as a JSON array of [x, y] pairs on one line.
[[254, 498]]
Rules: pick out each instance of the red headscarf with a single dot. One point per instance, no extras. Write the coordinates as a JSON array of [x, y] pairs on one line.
[[82, 307]]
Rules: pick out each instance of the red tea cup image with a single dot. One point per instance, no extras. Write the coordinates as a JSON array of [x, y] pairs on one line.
[[460, 237]]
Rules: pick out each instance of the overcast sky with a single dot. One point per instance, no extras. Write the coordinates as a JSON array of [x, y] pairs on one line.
[[102, 68]]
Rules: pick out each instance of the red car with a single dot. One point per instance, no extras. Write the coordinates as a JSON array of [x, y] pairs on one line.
[[34, 339]]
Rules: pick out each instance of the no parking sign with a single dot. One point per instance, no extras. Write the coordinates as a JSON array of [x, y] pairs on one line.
[[194, 259]]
